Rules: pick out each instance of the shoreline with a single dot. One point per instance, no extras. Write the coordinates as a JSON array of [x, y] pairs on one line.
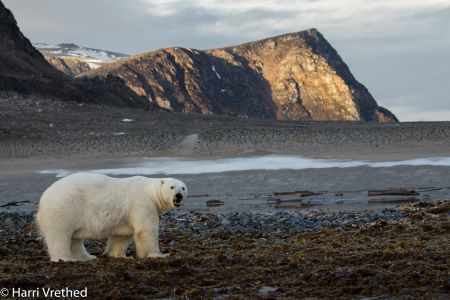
[[343, 189]]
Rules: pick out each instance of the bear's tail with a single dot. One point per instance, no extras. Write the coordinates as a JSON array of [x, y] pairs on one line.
[[38, 220]]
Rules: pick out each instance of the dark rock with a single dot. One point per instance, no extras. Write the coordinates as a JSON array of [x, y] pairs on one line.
[[267, 289]]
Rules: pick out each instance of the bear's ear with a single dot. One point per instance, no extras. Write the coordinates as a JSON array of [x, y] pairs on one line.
[[162, 181]]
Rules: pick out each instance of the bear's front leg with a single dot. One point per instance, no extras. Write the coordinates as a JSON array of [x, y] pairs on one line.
[[117, 246], [146, 239]]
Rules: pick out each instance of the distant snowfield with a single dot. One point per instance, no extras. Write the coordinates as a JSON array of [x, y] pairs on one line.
[[170, 165]]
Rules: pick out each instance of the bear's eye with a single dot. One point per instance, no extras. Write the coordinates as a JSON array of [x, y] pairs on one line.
[[172, 187], [183, 188]]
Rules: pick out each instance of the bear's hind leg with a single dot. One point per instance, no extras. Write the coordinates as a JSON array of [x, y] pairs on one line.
[[78, 250], [117, 246], [58, 244], [107, 251]]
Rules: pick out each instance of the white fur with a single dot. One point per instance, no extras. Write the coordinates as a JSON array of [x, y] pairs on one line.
[[94, 206]]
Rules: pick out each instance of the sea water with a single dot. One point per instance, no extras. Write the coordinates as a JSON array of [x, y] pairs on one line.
[[180, 165]]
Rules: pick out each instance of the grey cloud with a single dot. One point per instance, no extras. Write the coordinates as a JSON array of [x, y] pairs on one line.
[[99, 23]]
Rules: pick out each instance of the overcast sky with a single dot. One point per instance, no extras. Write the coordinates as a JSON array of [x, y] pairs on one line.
[[399, 49]]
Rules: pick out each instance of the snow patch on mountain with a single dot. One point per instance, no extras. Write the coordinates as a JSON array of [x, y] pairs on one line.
[[94, 55]]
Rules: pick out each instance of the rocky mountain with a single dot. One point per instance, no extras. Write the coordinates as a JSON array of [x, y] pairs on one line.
[[297, 76], [73, 59], [23, 69]]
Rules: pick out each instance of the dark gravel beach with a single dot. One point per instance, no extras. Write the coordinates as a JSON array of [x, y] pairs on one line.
[[401, 253]]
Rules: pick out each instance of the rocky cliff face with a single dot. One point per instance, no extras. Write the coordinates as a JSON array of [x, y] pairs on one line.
[[17, 56], [23, 69], [295, 76], [307, 78]]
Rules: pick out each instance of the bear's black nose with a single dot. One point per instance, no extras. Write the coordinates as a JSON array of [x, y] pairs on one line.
[[179, 196]]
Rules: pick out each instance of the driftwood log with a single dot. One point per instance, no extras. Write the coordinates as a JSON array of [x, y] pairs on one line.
[[392, 201], [393, 193], [299, 193], [213, 202]]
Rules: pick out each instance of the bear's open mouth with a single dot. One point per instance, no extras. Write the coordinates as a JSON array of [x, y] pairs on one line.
[[177, 202]]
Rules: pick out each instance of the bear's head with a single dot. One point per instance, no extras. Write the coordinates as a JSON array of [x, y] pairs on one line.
[[173, 191]]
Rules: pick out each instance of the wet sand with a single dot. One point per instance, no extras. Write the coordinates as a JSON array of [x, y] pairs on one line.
[[254, 189]]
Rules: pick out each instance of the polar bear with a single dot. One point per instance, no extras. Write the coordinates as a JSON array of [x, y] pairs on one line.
[[94, 206]]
